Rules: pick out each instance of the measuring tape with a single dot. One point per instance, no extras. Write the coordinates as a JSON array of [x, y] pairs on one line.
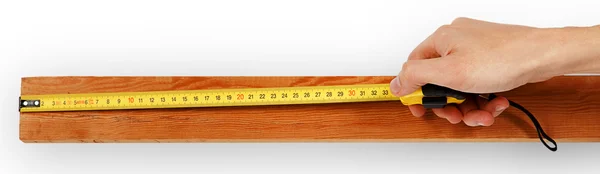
[[430, 96]]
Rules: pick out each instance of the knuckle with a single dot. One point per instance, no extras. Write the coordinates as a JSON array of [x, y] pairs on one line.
[[443, 32], [408, 73], [443, 28], [460, 20]]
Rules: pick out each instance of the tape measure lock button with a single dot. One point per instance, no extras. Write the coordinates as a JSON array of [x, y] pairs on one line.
[[434, 102]]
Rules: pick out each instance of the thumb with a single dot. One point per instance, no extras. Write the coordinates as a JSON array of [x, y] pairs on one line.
[[416, 73]]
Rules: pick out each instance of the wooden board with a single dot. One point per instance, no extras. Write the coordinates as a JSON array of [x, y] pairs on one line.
[[567, 107]]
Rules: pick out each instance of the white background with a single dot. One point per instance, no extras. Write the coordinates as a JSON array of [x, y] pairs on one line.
[[207, 38]]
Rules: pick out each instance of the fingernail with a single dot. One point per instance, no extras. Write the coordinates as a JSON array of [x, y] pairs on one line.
[[395, 86], [453, 122], [499, 110], [480, 124], [414, 113]]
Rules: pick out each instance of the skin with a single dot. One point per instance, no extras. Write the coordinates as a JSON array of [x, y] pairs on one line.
[[481, 57]]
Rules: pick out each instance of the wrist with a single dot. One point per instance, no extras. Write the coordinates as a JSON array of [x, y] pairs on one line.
[[574, 50]]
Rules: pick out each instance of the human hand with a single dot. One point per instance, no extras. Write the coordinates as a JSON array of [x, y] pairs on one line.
[[482, 57]]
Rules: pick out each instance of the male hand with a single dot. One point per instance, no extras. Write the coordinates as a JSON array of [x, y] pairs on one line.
[[481, 57]]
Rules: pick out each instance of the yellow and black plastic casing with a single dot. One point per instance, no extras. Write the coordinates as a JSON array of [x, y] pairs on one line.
[[433, 96]]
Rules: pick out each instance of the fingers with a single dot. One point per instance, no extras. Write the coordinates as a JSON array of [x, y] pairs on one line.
[[395, 86], [450, 113], [417, 110], [485, 113], [427, 63], [478, 118], [468, 105], [416, 73], [475, 111], [496, 106]]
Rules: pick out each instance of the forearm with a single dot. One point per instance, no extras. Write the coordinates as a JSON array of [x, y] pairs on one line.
[[579, 50]]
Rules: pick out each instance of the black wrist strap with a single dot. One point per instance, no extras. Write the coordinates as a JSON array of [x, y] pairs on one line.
[[541, 134]]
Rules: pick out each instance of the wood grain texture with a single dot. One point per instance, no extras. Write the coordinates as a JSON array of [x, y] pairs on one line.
[[567, 107]]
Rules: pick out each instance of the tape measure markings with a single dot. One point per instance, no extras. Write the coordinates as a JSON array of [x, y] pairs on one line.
[[208, 98]]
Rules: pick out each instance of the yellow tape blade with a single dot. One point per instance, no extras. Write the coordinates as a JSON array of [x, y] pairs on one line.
[[207, 98]]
